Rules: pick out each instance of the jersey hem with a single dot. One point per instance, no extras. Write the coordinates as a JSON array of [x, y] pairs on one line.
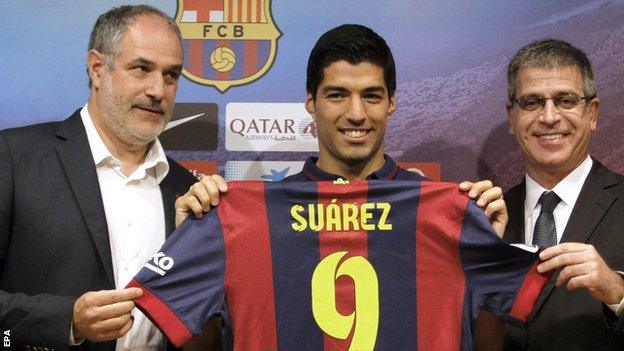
[[162, 316]]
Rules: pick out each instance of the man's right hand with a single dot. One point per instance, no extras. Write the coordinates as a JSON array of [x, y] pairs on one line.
[[104, 315], [200, 197]]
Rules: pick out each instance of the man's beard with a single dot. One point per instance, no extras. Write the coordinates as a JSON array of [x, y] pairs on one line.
[[118, 118]]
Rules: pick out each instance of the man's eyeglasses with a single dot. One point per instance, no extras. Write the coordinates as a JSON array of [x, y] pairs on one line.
[[566, 101]]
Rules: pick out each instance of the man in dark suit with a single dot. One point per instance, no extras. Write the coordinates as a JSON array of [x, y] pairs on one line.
[[568, 202], [86, 201]]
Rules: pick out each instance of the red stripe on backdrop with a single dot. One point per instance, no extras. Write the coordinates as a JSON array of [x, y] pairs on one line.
[[196, 57], [259, 10], [249, 14], [439, 275], [240, 11], [252, 12], [216, 5], [230, 11], [250, 64], [249, 268], [354, 242], [224, 75]]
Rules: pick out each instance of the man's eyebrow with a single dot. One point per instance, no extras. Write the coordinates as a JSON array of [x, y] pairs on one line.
[[375, 89], [142, 60], [333, 89], [556, 93], [176, 68]]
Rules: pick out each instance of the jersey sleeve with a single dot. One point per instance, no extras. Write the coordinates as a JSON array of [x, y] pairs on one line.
[[500, 277], [183, 283]]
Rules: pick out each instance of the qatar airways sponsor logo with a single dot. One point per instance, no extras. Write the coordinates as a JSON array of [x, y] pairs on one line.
[[269, 127]]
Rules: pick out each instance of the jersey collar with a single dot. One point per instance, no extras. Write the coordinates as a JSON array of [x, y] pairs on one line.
[[311, 171]]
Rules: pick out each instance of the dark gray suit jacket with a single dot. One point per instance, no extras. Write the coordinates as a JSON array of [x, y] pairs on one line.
[[54, 243], [572, 320]]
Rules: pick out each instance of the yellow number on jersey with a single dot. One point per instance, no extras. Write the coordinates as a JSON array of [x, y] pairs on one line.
[[365, 317]]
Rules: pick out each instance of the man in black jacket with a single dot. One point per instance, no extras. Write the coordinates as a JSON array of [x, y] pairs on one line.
[[567, 200], [85, 201]]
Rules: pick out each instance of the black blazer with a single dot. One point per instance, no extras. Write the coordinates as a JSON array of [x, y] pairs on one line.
[[54, 243], [572, 320]]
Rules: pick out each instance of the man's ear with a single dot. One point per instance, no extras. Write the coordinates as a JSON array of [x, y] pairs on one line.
[[96, 64], [309, 105], [392, 106], [509, 108], [594, 110]]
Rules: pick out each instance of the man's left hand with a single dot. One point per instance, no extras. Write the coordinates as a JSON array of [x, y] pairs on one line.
[[583, 267], [490, 199]]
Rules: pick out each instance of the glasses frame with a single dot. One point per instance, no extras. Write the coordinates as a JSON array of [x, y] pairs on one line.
[[545, 99]]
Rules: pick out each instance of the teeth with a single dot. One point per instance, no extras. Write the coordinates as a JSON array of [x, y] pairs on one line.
[[355, 133], [551, 136]]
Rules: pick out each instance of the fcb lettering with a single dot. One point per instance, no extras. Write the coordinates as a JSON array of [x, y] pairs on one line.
[[349, 284]]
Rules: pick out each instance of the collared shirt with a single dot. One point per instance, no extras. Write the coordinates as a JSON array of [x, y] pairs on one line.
[[390, 170], [568, 190], [136, 222]]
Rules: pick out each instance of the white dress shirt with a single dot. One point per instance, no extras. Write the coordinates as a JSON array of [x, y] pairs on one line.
[[568, 190], [136, 223]]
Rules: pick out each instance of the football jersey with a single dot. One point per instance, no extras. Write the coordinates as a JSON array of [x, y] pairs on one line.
[[386, 265]]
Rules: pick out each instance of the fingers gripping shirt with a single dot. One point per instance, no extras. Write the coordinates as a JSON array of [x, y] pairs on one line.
[[387, 265]]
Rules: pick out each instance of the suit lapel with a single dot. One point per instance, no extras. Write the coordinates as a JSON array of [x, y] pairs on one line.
[[168, 197], [514, 198], [77, 162], [592, 204]]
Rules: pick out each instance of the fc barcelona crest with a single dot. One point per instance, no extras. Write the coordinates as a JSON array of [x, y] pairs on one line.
[[227, 42]]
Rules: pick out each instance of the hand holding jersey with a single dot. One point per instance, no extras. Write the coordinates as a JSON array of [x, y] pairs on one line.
[[104, 315], [490, 199], [200, 197], [583, 267]]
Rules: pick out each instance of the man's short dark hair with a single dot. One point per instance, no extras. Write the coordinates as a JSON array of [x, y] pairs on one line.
[[110, 27], [353, 43], [550, 53]]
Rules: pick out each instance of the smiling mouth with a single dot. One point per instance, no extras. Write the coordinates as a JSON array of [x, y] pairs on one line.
[[551, 136], [354, 133]]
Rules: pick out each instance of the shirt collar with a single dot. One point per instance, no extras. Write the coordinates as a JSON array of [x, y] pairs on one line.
[[312, 172], [155, 158], [568, 189]]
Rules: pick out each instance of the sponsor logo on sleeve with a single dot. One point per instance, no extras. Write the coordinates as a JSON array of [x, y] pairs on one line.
[[160, 264]]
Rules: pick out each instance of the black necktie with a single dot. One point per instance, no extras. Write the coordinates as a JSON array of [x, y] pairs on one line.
[[545, 233]]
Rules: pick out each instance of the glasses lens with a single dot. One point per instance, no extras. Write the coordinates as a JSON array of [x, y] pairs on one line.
[[567, 101], [531, 102]]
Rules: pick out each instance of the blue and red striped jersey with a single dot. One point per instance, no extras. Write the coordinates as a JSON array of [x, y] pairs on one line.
[[387, 265]]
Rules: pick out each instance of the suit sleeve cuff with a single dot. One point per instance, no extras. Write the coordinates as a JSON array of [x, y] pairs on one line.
[[618, 308], [73, 341]]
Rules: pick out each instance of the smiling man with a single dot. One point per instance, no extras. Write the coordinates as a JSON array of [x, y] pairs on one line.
[[567, 197], [351, 84], [86, 201]]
